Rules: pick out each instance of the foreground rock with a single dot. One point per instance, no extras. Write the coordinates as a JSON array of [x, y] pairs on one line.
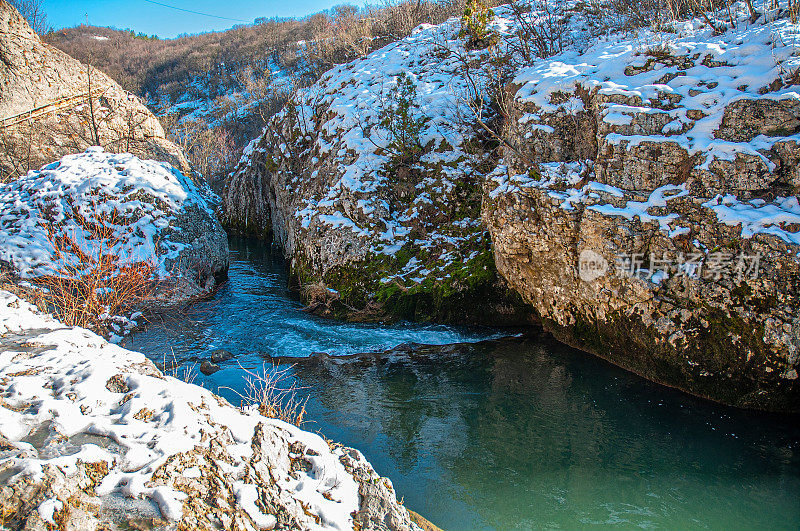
[[95, 436], [662, 231], [137, 210], [52, 105]]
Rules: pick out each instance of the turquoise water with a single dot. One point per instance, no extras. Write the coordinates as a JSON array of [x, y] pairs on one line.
[[507, 433]]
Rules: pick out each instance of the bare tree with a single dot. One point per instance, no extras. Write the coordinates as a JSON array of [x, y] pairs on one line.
[[33, 11]]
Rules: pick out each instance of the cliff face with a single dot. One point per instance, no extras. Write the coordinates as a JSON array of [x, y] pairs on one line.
[[641, 195], [52, 105], [661, 232], [378, 213]]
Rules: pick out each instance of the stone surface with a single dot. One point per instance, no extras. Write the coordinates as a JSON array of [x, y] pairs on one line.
[[731, 339], [208, 367], [220, 355], [141, 450], [46, 111]]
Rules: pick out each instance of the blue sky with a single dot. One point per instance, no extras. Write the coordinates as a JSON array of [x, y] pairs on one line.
[[150, 18]]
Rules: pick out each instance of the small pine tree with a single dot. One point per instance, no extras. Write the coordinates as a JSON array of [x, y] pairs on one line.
[[400, 116], [475, 23]]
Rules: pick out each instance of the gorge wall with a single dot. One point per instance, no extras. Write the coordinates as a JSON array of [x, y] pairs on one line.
[[660, 232], [51, 105], [641, 194]]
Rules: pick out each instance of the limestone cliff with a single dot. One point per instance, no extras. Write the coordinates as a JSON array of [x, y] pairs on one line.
[[378, 212], [51, 105], [660, 230], [639, 186]]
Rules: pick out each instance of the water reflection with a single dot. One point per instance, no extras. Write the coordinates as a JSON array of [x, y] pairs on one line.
[[527, 434]]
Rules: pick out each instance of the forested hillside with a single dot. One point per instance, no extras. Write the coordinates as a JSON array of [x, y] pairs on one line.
[[234, 80]]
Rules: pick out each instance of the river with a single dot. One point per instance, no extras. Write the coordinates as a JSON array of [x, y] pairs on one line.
[[494, 429]]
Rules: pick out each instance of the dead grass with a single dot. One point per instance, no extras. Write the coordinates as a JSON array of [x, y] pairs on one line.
[[175, 369], [317, 293], [267, 392]]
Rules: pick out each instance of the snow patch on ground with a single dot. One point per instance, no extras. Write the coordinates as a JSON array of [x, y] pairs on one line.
[[81, 384]]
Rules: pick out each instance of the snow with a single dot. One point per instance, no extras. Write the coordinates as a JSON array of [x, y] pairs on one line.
[[641, 209], [48, 508], [734, 65], [66, 385], [137, 198], [759, 217], [247, 495]]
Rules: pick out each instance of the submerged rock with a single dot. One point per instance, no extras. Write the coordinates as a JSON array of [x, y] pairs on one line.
[[208, 368], [220, 355]]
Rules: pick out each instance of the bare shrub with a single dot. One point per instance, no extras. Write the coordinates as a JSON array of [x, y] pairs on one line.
[[540, 37], [173, 368], [90, 283], [210, 151], [267, 392], [33, 12]]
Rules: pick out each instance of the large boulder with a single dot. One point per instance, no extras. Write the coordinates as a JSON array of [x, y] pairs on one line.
[[693, 293], [661, 227], [51, 105], [372, 232], [137, 210]]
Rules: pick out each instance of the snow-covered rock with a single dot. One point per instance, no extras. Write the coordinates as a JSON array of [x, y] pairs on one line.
[[658, 225], [153, 213], [93, 435], [387, 237]]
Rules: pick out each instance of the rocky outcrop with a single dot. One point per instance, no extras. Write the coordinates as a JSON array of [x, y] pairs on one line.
[[52, 105], [705, 310], [94, 436], [662, 231], [374, 229], [642, 200]]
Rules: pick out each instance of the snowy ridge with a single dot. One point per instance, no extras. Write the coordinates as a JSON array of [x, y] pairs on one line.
[[83, 386]]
